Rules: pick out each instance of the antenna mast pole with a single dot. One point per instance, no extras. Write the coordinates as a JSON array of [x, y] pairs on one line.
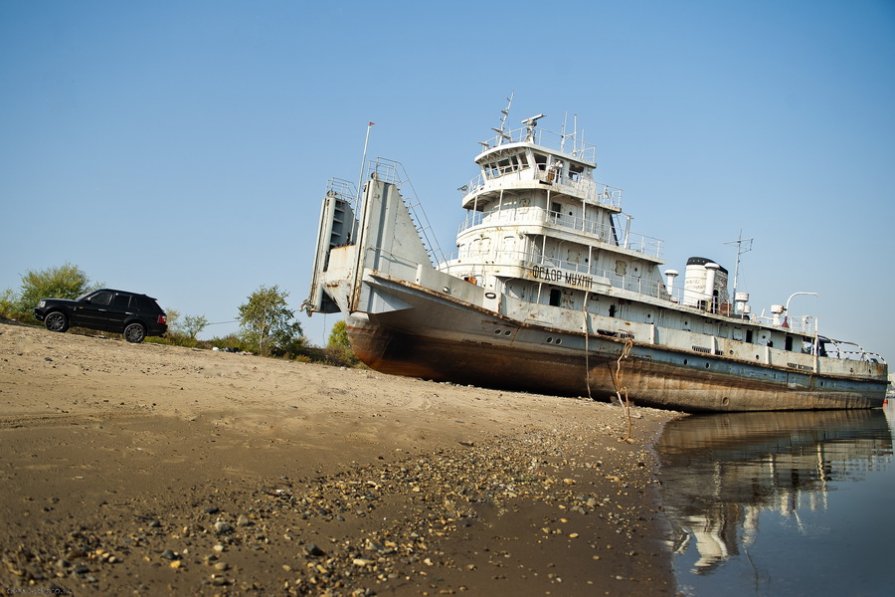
[[360, 178], [740, 243]]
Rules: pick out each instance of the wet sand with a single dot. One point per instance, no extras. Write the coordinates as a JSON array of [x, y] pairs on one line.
[[147, 469]]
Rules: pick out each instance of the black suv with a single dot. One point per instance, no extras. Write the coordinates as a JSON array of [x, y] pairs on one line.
[[134, 315]]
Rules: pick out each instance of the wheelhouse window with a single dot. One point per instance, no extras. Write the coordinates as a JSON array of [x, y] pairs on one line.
[[505, 165]]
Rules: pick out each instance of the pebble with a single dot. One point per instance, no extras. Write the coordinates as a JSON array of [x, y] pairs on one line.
[[219, 581], [222, 528]]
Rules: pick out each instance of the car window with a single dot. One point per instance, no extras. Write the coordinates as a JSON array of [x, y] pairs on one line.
[[104, 297], [121, 302], [149, 305]]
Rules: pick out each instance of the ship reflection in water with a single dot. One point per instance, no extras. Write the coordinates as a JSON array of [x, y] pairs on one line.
[[780, 503]]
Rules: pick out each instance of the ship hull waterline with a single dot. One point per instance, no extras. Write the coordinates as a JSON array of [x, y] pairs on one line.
[[442, 339]]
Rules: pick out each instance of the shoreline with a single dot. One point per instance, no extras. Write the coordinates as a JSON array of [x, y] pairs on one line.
[[148, 468]]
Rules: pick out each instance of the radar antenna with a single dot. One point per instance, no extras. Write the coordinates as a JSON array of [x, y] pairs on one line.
[[530, 124], [743, 246]]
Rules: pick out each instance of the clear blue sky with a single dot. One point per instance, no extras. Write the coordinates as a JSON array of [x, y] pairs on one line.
[[182, 149]]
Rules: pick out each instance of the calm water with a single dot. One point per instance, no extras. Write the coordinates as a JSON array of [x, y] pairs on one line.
[[782, 503]]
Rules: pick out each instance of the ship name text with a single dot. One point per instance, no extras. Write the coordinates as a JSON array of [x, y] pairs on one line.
[[550, 274]]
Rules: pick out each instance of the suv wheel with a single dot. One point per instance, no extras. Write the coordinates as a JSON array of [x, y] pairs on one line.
[[56, 321], [134, 332]]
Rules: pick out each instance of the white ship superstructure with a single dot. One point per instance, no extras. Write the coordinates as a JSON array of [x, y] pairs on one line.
[[552, 291]]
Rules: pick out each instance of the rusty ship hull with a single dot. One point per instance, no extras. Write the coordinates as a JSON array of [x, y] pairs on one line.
[[441, 339]]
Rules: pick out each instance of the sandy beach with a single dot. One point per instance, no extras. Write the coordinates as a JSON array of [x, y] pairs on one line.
[[150, 469]]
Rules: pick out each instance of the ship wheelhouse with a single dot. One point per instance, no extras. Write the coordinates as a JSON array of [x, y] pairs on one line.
[[541, 229]]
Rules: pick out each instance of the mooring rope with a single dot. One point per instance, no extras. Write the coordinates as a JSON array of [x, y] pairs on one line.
[[619, 388], [587, 347]]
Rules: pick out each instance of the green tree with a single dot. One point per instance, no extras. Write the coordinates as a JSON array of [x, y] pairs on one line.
[[194, 324], [173, 317], [182, 331], [267, 322], [66, 281], [338, 345], [8, 301]]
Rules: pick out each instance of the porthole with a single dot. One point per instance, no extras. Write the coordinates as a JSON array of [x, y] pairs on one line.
[[559, 340], [706, 365], [549, 339], [685, 361], [507, 333], [496, 332]]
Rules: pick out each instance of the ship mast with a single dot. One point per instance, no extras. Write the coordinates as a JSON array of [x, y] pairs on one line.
[[502, 134], [743, 246]]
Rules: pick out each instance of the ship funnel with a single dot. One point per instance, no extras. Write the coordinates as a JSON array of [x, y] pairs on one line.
[[705, 285]]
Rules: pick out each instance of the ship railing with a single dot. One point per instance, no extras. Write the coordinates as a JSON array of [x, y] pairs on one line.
[[845, 350], [634, 284], [805, 325], [565, 143], [577, 186], [699, 301], [343, 190], [537, 216], [477, 262], [393, 172], [585, 187]]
